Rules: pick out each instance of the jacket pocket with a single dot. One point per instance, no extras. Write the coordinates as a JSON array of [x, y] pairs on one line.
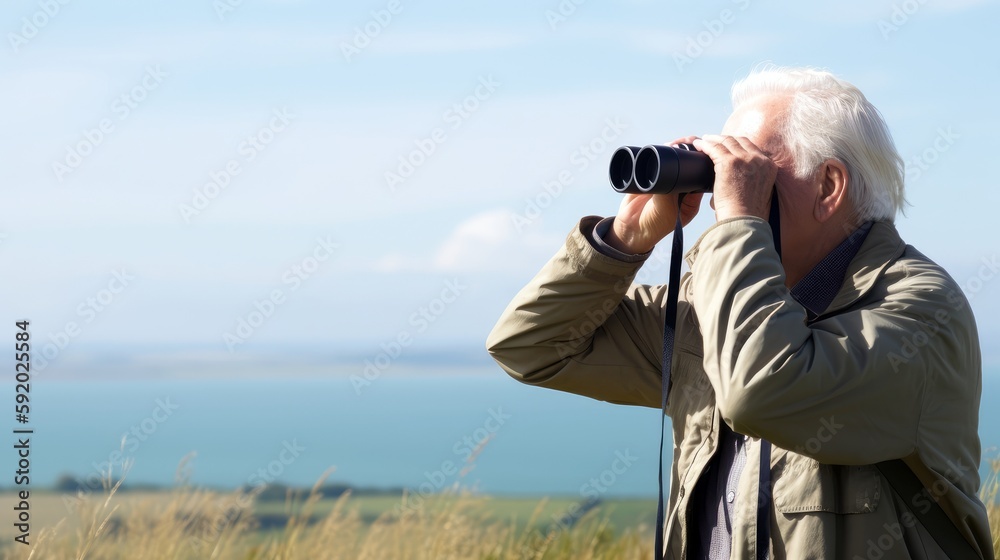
[[802, 484]]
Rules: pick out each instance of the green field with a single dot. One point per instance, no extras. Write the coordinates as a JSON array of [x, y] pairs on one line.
[[621, 514], [190, 523], [61, 524]]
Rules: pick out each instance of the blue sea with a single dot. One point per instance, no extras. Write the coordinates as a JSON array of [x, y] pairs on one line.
[[472, 426]]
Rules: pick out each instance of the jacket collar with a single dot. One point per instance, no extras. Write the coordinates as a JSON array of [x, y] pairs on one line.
[[880, 249], [817, 289]]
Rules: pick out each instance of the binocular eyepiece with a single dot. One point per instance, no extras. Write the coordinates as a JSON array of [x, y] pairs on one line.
[[661, 170]]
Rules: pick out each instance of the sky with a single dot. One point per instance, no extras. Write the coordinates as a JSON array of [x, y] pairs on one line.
[[209, 182]]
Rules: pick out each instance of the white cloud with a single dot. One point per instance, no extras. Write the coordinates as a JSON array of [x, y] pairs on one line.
[[868, 12], [476, 241], [667, 42], [446, 41], [257, 43], [397, 262], [484, 242], [728, 44]]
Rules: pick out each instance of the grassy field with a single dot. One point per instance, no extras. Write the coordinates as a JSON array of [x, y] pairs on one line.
[[198, 524]]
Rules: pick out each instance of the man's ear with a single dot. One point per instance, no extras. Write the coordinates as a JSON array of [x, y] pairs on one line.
[[832, 196]]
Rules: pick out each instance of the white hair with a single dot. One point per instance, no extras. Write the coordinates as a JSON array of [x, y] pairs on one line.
[[830, 118]]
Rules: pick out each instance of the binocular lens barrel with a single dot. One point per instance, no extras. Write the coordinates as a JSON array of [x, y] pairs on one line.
[[661, 170], [622, 170]]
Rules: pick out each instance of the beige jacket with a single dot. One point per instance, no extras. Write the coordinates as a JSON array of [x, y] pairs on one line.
[[890, 370]]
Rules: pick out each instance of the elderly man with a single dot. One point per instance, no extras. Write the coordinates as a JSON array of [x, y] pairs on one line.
[[849, 350]]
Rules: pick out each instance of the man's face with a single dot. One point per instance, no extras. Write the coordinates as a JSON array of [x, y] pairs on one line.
[[760, 121]]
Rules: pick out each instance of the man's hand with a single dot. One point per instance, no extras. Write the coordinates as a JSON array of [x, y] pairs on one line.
[[644, 219], [744, 176]]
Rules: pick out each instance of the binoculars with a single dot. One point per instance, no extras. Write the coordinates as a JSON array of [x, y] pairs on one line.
[[661, 170]]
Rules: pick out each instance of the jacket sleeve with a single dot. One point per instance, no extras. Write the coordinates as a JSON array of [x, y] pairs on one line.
[[581, 326], [848, 388]]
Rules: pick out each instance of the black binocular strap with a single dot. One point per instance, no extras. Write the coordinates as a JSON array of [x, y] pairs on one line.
[[907, 487], [669, 325]]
